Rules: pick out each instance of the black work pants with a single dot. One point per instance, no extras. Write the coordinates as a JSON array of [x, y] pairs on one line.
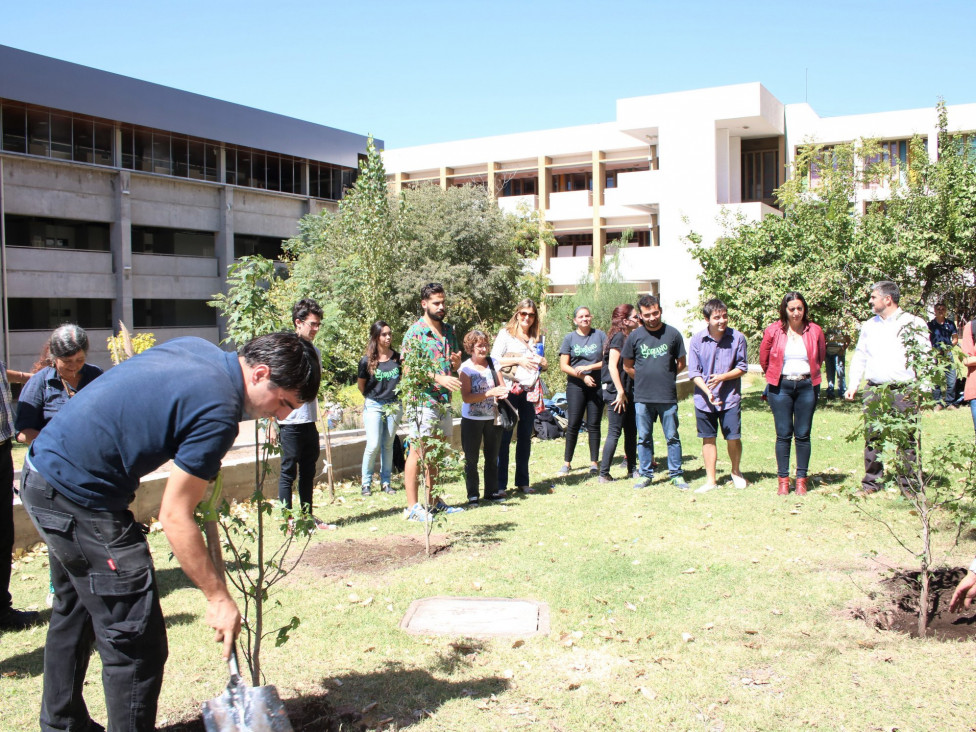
[[476, 433], [583, 400], [299, 454], [105, 596], [873, 469], [618, 422]]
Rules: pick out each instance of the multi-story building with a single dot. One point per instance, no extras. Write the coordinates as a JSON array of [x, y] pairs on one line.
[[668, 165], [126, 200]]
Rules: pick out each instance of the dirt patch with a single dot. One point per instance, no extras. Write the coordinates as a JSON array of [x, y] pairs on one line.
[[898, 607], [371, 556], [306, 714]]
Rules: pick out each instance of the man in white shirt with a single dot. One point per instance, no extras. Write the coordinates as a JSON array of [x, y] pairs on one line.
[[880, 359]]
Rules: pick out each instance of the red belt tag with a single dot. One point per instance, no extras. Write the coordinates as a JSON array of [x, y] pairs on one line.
[[111, 565]]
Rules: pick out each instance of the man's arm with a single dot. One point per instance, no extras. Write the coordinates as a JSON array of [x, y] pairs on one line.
[[858, 363], [180, 497]]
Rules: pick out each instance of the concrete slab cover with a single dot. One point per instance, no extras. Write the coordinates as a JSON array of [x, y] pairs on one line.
[[476, 617]]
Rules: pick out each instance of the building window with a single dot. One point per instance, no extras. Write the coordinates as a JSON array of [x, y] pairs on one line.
[[176, 242], [246, 245], [565, 182], [173, 314], [152, 151], [42, 313], [638, 238], [41, 132], [760, 170], [37, 232], [894, 158], [574, 245], [520, 187]]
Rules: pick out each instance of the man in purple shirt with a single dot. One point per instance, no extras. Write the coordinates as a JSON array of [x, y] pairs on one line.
[[716, 362]]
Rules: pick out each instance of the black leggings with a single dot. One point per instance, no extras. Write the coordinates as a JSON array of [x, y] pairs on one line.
[[582, 399], [618, 422]]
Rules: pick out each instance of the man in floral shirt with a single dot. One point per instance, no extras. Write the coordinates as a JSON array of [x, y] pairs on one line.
[[430, 416]]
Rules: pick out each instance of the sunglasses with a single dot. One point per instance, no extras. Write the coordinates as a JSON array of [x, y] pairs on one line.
[[526, 314]]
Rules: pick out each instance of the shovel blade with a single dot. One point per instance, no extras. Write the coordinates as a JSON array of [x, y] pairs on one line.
[[246, 709]]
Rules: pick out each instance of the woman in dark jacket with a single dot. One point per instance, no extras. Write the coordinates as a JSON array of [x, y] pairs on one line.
[[791, 354]]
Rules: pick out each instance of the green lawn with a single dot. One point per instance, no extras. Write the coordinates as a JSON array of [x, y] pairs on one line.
[[760, 584]]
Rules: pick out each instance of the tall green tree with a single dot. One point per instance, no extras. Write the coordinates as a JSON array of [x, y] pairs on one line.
[[921, 237]]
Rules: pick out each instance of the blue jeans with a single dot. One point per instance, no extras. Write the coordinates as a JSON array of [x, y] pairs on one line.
[[835, 372], [949, 395], [972, 408], [380, 432], [523, 443], [646, 414], [793, 404]]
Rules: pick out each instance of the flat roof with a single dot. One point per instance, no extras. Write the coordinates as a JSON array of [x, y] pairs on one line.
[[35, 79]]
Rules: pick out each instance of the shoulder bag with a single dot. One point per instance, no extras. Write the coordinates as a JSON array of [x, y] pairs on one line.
[[507, 417]]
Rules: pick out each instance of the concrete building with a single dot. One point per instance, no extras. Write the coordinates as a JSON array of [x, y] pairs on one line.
[[669, 164], [126, 200]]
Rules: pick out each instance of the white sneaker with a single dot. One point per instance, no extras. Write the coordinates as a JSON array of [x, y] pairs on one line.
[[417, 513], [706, 487], [738, 481]]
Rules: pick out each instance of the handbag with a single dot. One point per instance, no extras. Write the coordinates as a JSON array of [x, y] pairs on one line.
[[507, 417]]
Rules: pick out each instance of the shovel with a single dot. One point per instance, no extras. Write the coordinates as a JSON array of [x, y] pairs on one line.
[[245, 708]]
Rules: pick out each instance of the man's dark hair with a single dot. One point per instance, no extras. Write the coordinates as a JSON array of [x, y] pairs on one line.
[[714, 306], [648, 301], [431, 288], [303, 308], [293, 362], [886, 287]]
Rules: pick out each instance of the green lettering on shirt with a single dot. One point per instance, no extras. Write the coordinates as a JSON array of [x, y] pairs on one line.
[[656, 352]]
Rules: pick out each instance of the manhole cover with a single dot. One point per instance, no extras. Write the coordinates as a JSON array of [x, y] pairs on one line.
[[476, 617]]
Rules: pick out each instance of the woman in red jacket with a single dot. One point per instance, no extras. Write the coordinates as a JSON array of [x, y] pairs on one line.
[[792, 351]]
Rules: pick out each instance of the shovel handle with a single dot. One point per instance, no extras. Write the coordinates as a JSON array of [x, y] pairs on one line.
[[235, 672]]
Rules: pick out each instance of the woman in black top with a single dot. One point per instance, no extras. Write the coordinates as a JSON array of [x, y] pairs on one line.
[[618, 392], [379, 374], [581, 359]]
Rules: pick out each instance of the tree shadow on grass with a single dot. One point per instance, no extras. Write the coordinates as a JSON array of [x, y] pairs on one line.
[[482, 534], [171, 579], [368, 516], [403, 697]]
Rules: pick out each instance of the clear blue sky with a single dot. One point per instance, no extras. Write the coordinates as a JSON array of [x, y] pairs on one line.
[[419, 71]]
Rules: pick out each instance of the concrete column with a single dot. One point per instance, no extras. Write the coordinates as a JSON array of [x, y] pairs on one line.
[[723, 184], [398, 181], [117, 148], [120, 237], [545, 188], [221, 164], [735, 170], [599, 234], [493, 180], [445, 173], [224, 245]]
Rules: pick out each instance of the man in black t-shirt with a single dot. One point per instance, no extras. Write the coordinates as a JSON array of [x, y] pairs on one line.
[[653, 356]]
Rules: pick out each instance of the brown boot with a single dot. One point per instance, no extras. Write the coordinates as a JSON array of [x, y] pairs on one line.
[[801, 486], [784, 487]]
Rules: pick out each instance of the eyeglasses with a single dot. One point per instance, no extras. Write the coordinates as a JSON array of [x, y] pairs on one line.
[[526, 314]]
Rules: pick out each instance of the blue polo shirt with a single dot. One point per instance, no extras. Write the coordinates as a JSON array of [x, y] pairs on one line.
[[179, 401]]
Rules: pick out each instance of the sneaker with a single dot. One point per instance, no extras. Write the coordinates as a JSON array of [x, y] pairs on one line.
[[366, 491], [635, 474], [738, 481], [564, 470], [441, 507], [642, 482], [527, 489], [594, 470], [679, 483], [605, 479], [18, 619], [497, 496], [322, 526], [416, 512], [387, 488], [706, 487], [473, 502]]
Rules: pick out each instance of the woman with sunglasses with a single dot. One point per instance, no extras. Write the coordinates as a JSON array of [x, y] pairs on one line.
[[618, 392], [519, 361], [581, 359]]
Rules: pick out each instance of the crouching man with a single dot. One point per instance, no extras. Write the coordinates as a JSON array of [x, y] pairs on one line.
[[179, 401]]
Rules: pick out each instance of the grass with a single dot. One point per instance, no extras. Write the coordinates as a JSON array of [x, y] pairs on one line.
[[772, 647]]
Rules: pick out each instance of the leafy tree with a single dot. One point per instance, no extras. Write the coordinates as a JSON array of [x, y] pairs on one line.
[[370, 258], [941, 481], [923, 236]]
